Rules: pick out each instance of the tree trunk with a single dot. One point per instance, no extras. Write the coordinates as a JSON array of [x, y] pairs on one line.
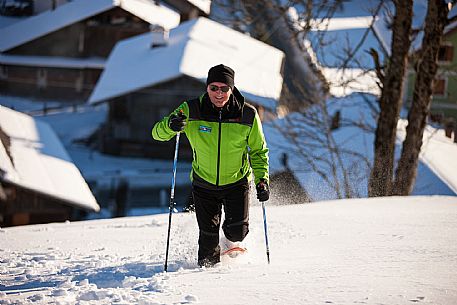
[[435, 22], [380, 183]]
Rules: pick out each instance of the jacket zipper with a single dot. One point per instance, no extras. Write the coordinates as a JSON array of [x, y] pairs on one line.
[[219, 148], [195, 158], [242, 162]]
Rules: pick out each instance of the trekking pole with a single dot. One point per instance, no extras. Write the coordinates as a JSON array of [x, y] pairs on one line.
[[172, 198], [265, 229]]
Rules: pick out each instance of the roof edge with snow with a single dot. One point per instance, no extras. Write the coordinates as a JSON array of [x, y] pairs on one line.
[[36, 160], [50, 21], [191, 52]]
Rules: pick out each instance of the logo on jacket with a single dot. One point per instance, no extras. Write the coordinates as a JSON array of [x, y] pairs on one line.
[[204, 128]]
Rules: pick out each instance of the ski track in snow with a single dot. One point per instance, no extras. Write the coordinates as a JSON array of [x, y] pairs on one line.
[[348, 252]]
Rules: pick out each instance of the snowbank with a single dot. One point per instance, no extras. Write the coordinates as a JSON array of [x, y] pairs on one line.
[[395, 250]]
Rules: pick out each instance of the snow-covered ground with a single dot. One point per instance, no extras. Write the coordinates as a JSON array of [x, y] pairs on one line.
[[397, 250]]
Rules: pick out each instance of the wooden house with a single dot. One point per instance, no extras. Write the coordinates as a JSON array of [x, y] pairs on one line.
[[444, 99], [20, 8], [60, 54], [16, 8], [39, 182], [444, 96], [40, 6], [145, 80]]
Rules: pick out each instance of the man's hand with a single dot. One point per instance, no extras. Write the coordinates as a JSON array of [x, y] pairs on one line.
[[263, 191], [177, 122]]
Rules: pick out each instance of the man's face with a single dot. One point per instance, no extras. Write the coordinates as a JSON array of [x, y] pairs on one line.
[[217, 95]]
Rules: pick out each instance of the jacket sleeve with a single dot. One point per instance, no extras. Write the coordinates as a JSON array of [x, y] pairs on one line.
[[258, 151], [161, 131]]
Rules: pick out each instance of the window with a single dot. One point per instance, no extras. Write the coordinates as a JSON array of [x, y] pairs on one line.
[[119, 110], [3, 72], [446, 53], [79, 83], [118, 20], [439, 87], [81, 41], [42, 76]]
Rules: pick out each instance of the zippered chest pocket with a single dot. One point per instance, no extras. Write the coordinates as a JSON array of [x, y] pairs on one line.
[[234, 146]]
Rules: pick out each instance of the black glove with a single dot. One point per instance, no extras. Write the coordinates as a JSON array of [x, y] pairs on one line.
[[177, 122], [263, 191]]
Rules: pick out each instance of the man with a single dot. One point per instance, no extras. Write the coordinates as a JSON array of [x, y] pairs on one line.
[[227, 141]]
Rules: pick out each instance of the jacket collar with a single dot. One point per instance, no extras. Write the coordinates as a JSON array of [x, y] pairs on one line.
[[231, 109]]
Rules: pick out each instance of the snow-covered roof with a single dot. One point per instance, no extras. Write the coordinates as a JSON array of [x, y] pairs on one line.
[[192, 49], [75, 11], [339, 47], [7, 20], [341, 23], [344, 82], [358, 75], [39, 161], [203, 5], [53, 61], [333, 47], [450, 27], [383, 30]]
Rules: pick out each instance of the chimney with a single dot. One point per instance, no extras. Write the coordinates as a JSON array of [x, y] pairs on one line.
[[159, 36]]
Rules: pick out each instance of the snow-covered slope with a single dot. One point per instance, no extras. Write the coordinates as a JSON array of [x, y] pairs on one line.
[[397, 250]]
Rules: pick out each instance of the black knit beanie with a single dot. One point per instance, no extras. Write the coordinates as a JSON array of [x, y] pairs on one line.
[[222, 74]]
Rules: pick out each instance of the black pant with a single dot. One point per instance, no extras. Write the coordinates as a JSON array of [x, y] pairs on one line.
[[208, 208]]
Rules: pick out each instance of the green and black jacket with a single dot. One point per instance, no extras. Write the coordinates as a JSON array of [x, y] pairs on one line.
[[226, 142]]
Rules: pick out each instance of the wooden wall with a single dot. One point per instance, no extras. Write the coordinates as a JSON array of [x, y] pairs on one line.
[[127, 131], [24, 207], [93, 37], [62, 84]]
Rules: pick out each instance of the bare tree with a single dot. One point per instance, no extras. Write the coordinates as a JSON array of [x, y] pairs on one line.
[[271, 22], [380, 183], [426, 69], [310, 131]]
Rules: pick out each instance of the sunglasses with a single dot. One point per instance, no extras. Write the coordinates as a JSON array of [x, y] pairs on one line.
[[215, 88]]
